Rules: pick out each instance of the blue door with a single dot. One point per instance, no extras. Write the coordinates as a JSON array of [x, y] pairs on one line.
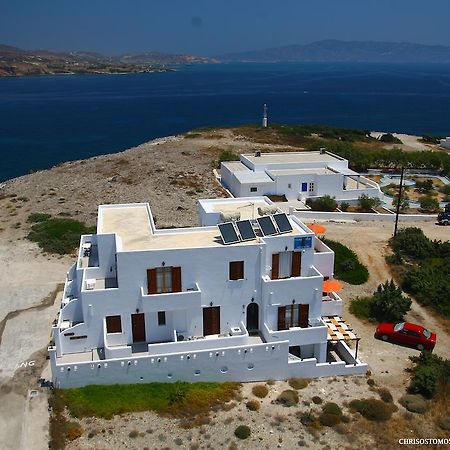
[[304, 187]]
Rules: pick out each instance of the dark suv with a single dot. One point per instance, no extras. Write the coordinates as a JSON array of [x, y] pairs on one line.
[[444, 218]]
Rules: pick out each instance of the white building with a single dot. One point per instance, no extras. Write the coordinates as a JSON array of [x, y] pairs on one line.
[[143, 305], [445, 142], [297, 175]]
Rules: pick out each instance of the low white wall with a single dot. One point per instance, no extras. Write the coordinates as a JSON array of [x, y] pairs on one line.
[[332, 307], [321, 215]]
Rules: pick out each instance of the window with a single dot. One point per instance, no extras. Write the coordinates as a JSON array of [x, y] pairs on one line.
[[161, 318], [162, 280], [236, 270], [311, 187], [289, 185], [113, 324], [286, 265], [253, 189], [304, 187], [294, 315]]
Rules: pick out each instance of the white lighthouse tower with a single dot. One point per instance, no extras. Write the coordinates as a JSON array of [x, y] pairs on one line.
[[265, 120]]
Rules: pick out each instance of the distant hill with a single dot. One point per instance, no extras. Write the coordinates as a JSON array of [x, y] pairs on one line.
[[346, 51], [18, 62]]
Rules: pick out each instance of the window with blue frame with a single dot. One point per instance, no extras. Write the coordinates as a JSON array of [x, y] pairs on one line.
[[304, 187]]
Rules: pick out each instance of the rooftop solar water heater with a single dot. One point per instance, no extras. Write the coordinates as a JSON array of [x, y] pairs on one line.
[[228, 233], [267, 226], [246, 230], [282, 222]]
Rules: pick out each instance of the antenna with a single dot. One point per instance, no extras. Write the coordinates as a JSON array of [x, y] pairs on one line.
[[252, 204], [265, 120]]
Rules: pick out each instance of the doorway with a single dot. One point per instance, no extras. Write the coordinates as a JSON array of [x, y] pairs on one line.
[[138, 327], [211, 320], [253, 318]]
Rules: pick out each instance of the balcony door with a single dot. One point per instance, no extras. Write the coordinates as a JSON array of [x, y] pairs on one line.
[[162, 280], [286, 265], [294, 315], [138, 327], [211, 320], [253, 318]]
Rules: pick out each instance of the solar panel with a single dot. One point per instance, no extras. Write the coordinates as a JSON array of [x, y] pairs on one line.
[[246, 230], [267, 226], [282, 222], [228, 233]]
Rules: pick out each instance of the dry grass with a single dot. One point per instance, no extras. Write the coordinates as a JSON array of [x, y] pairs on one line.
[[260, 391]]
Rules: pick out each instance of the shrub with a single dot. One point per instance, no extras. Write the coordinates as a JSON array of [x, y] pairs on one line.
[[424, 186], [242, 432], [56, 235], [288, 398], [73, 430], [133, 434], [298, 383], [325, 203], [385, 395], [329, 420], [360, 307], [260, 391], [347, 265], [414, 403], [228, 155], [388, 303], [429, 204], [332, 408], [444, 423], [372, 409], [367, 204], [38, 217], [306, 418], [413, 243], [429, 373], [390, 139], [344, 206], [317, 400], [253, 405]]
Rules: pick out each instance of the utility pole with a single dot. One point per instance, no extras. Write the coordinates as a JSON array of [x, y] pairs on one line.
[[399, 199]]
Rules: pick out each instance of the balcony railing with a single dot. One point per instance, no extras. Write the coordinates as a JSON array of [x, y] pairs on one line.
[[189, 298], [315, 333]]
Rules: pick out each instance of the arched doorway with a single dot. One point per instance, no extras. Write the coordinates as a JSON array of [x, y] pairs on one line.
[[253, 318]]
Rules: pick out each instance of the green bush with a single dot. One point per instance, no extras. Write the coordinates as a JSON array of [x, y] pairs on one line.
[[372, 409], [317, 400], [425, 186], [298, 383], [414, 403], [385, 395], [253, 405], [429, 204], [360, 307], [325, 203], [430, 374], [367, 204], [260, 390], [412, 242], [288, 398], [329, 420], [388, 303], [55, 235], [344, 206], [390, 139], [228, 155], [332, 408], [242, 432], [347, 265], [38, 217]]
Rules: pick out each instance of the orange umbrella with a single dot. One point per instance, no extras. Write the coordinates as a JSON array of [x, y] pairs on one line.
[[317, 228], [331, 286]]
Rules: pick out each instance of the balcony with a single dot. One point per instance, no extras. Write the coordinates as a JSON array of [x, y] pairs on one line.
[[290, 288], [332, 304], [190, 298], [314, 334]]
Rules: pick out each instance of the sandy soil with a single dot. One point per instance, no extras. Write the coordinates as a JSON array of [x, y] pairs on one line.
[[172, 174], [409, 142]]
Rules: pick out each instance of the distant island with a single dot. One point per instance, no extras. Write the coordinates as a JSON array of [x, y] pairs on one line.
[[346, 51], [18, 62]]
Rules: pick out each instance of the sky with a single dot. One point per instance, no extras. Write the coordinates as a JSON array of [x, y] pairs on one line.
[[213, 27]]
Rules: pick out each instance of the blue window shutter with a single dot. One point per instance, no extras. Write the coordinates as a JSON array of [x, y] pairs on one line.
[[304, 187]]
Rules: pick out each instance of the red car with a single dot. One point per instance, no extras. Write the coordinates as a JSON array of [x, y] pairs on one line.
[[408, 334]]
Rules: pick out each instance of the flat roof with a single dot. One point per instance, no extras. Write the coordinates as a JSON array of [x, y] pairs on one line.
[[247, 209], [236, 166], [132, 224], [291, 157], [253, 177], [314, 170]]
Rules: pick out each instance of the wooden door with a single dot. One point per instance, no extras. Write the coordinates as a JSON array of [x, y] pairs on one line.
[[296, 264], [252, 318], [151, 281], [211, 320], [303, 314], [138, 327], [275, 266], [282, 318]]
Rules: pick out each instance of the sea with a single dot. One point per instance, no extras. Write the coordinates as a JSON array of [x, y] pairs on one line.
[[46, 120]]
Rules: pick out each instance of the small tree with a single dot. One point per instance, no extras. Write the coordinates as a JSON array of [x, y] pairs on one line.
[[367, 204], [429, 204], [388, 303], [344, 206], [404, 202]]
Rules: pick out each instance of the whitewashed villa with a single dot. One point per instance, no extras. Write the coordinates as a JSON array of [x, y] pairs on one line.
[[142, 304], [296, 175]]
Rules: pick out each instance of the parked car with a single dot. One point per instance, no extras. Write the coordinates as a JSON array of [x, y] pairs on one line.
[[444, 217], [406, 333]]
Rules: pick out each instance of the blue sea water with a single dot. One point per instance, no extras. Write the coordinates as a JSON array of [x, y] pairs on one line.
[[49, 119]]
